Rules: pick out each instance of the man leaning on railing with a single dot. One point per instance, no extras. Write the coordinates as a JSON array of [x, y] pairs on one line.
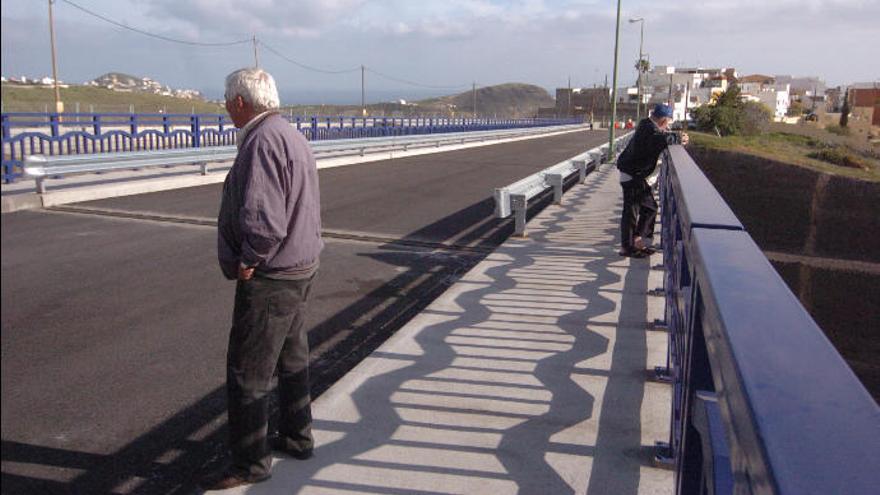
[[637, 162]]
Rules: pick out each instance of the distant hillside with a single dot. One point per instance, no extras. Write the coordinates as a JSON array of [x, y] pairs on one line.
[[18, 98], [510, 99], [117, 81]]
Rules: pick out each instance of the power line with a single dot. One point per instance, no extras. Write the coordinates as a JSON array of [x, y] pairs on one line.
[[153, 35], [269, 48], [304, 66], [412, 83]]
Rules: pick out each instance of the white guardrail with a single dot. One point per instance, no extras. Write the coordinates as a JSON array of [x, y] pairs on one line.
[[514, 199], [42, 167]]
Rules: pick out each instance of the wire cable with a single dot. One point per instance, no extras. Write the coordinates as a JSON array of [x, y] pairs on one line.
[[304, 66], [413, 83], [153, 35]]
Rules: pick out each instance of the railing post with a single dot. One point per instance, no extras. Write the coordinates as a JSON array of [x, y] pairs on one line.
[[8, 168], [96, 125], [53, 124], [314, 128], [196, 128], [166, 128]]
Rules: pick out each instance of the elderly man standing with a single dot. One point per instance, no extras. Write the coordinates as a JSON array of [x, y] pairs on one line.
[[636, 164], [269, 240]]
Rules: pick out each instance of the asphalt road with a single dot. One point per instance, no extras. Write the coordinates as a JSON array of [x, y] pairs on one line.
[[114, 328]]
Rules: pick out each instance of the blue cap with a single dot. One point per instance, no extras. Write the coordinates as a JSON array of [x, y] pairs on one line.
[[662, 110]]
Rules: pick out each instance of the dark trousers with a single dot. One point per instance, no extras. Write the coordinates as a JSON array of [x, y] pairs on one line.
[[639, 212], [267, 335]]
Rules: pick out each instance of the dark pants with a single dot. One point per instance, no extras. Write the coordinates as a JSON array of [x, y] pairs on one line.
[[639, 212], [267, 335]]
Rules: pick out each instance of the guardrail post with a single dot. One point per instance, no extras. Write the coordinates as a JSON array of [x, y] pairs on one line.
[[41, 184], [519, 205], [581, 166], [555, 181]]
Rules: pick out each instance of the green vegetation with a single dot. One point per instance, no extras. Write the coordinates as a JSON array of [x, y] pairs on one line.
[[730, 116], [840, 157], [830, 155], [836, 129], [90, 98]]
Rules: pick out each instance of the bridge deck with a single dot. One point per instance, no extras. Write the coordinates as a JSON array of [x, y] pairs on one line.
[[526, 376]]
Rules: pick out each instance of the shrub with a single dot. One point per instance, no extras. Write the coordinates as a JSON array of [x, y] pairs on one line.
[[838, 156], [836, 129]]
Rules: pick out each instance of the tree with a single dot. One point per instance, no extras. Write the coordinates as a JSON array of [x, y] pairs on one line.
[[729, 115], [795, 109], [844, 111]]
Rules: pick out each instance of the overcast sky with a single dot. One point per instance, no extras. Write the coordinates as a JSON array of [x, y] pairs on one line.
[[441, 42]]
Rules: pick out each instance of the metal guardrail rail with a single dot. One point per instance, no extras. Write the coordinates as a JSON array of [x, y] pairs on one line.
[[42, 167], [762, 403], [514, 198], [27, 134]]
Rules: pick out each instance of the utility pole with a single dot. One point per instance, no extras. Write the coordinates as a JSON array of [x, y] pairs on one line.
[[475, 99], [256, 56], [614, 89], [363, 95], [59, 105], [669, 101], [641, 21]]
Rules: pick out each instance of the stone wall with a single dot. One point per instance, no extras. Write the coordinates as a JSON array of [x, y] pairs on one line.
[[822, 233]]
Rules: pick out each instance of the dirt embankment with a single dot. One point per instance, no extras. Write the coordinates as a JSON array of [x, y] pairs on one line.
[[822, 233]]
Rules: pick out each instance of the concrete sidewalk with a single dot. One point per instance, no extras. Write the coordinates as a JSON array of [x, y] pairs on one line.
[[527, 376]]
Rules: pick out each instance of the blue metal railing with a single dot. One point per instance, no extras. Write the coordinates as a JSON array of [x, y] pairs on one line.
[[77, 133], [762, 403]]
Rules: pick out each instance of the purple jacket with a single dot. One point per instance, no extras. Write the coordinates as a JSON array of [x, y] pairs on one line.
[[270, 214]]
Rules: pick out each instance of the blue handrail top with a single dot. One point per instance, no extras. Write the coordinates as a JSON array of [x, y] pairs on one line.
[[794, 403], [702, 205]]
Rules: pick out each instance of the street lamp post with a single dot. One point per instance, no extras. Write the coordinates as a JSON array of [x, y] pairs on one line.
[[614, 89], [641, 21], [59, 105]]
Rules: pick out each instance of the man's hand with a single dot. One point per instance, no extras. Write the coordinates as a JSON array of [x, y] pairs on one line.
[[244, 272], [684, 138]]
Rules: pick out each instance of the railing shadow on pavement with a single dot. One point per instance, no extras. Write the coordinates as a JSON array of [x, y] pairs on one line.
[[501, 389]]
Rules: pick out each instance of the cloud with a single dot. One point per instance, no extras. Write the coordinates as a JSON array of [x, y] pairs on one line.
[[287, 18]]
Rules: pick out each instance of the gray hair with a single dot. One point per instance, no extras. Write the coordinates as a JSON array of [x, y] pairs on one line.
[[255, 86]]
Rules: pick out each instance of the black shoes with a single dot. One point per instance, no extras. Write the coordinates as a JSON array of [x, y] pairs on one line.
[[279, 445], [634, 253], [229, 479]]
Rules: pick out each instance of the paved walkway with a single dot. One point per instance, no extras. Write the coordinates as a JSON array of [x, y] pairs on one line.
[[527, 376]]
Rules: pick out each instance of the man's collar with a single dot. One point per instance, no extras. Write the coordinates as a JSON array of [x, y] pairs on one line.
[[247, 128]]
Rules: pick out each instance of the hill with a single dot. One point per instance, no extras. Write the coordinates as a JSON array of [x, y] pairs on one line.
[[510, 100], [117, 81], [503, 99], [17, 98]]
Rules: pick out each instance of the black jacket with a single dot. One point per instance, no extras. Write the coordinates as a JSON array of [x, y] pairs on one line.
[[640, 156]]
